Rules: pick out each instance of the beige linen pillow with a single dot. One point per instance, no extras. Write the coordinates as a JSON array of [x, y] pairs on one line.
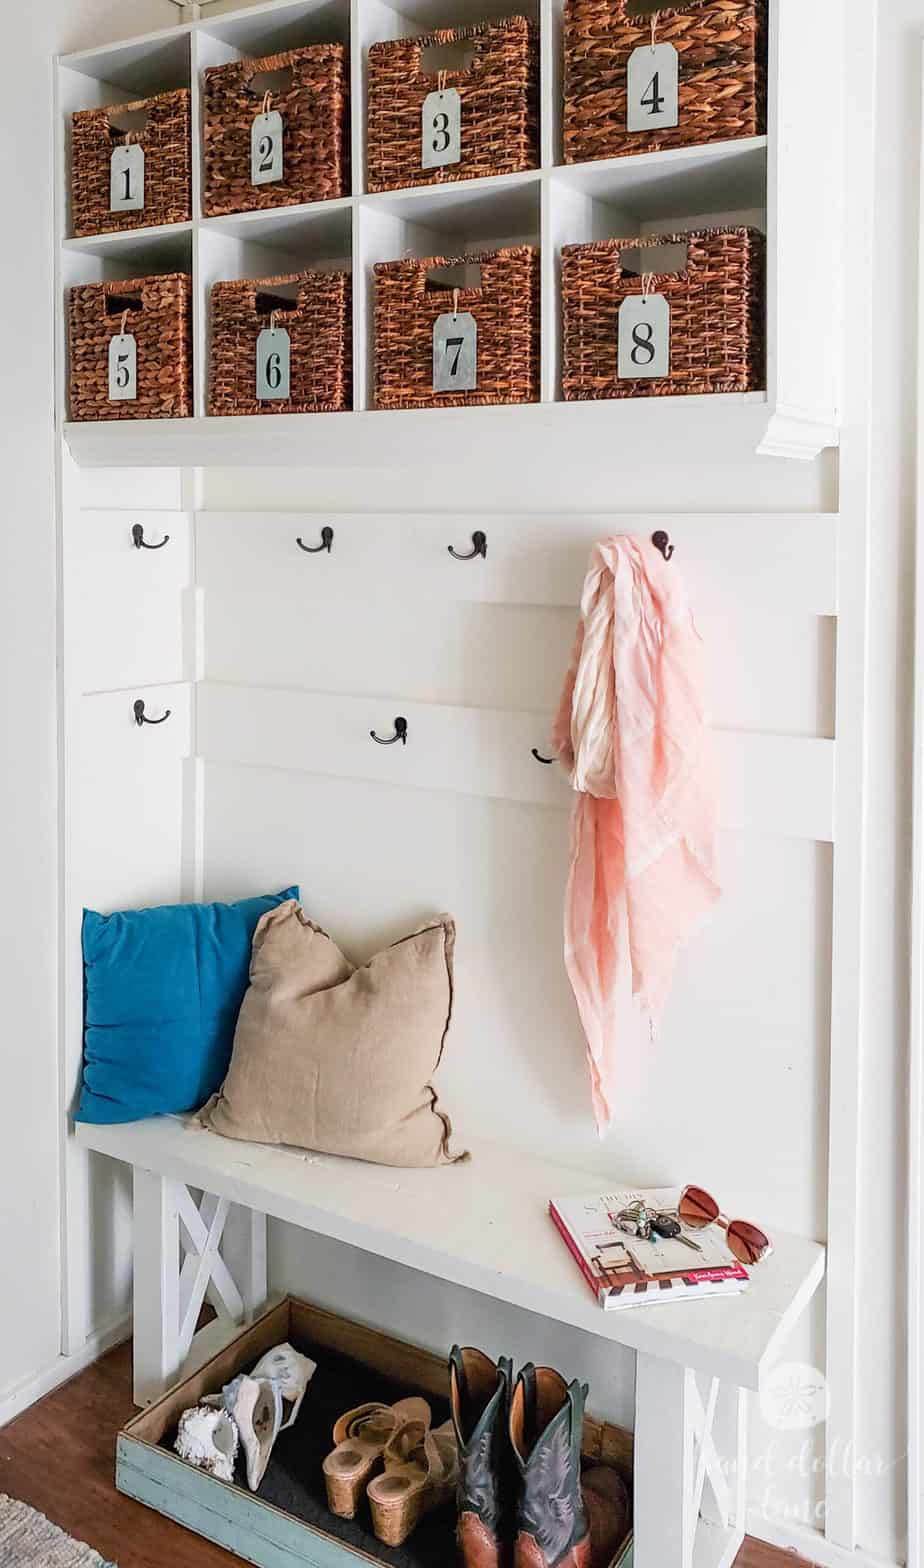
[[339, 1059]]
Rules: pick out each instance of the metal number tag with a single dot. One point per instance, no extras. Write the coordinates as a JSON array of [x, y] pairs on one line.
[[123, 368], [455, 352], [441, 129], [266, 149], [644, 337], [654, 87], [274, 360], [126, 179]]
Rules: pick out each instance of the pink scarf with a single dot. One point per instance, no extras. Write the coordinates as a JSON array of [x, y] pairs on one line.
[[631, 731]]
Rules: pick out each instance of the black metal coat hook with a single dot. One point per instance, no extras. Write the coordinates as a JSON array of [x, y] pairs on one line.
[[548, 761], [662, 542], [327, 539], [391, 740], [479, 547], [140, 543], [142, 718]]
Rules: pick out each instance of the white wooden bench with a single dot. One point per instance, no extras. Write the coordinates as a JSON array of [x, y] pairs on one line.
[[484, 1226]]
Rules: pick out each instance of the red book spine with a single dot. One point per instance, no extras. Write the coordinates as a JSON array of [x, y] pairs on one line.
[[577, 1254]]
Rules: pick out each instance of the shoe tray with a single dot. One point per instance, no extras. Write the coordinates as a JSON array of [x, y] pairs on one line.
[[287, 1523]]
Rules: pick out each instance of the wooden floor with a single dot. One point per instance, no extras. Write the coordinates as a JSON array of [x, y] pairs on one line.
[[59, 1457]]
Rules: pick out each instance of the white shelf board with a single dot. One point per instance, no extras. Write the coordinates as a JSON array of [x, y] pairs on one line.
[[147, 243], [719, 177], [482, 1225], [285, 226], [671, 429], [140, 66]]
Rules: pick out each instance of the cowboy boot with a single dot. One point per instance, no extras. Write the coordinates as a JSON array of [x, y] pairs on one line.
[[479, 1395], [546, 1425]]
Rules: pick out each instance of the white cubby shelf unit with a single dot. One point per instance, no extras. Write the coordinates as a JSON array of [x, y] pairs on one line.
[[789, 184]]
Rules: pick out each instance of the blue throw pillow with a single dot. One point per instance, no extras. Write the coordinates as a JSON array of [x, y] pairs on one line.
[[163, 988]]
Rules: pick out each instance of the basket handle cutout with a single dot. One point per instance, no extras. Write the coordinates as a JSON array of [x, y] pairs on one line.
[[642, 261], [123, 121], [118, 304], [464, 275], [283, 297], [277, 82], [455, 58]]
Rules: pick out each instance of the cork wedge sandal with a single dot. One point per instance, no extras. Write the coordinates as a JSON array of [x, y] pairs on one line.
[[361, 1436], [421, 1473]]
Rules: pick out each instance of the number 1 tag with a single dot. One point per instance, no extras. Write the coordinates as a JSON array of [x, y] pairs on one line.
[[654, 87], [274, 360], [441, 129], [123, 368], [644, 337], [126, 179], [455, 352], [266, 149]]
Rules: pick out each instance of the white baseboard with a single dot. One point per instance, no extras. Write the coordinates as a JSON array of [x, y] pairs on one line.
[[811, 1545], [14, 1400]]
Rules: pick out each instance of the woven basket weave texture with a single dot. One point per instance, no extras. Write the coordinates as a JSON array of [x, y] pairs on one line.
[[165, 138], [159, 315], [718, 330], [319, 325]]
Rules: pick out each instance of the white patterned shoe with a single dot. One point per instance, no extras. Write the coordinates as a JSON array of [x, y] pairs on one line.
[[292, 1372], [255, 1405]]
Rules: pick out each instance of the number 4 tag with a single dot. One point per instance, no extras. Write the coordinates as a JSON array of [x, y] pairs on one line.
[[654, 87], [644, 337]]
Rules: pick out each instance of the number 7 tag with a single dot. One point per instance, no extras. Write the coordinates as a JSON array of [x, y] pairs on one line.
[[455, 352]]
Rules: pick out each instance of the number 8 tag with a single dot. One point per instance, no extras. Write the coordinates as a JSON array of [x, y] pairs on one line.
[[644, 337]]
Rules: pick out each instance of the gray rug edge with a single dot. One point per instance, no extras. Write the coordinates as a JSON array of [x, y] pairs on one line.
[[30, 1540]]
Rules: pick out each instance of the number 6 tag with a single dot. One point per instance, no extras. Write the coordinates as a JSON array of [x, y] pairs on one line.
[[455, 352], [653, 88], [123, 368], [644, 337], [274, 358]]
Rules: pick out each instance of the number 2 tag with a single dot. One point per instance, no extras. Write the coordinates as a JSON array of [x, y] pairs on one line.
[[274, 360], [126, 179], [266, 166], [654, 87], [455, 352], [644, 337], [123, 368], [441, 129]]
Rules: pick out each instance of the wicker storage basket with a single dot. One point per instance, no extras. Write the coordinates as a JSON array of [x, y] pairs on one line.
[[165, 138], [723, 74], [499, 95], [158, 312], [718, 331], [315, 113], [506, 310], [319, 325]]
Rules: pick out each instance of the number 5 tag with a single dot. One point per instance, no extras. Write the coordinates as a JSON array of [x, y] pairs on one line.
[[455, 352], [654, 87], [274, 359], [123, 368], [644, 337], [266, 166]]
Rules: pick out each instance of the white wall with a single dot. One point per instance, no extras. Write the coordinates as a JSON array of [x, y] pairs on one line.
[[29, 1102]]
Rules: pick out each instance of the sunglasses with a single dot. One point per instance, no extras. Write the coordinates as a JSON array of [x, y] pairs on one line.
[[697, 1209]]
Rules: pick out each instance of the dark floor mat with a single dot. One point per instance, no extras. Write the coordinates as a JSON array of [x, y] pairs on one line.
[[294, 1480]]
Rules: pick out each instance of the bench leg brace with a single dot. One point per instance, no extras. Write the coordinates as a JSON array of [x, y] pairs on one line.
[[186, 1253], [680, 1424]]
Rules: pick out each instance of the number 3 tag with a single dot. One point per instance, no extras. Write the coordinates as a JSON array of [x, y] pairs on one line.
[[266, 149], [123, 368], [455, 352], [654, 87], [441, 129], [274, 358], [644, 337]]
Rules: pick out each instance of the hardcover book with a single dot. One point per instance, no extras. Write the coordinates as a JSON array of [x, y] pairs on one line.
[[624, 1269]]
